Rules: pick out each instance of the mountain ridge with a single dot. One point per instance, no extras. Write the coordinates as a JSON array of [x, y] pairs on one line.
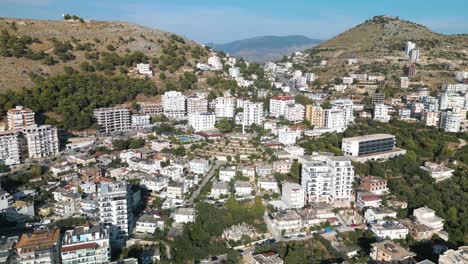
[[268, 47]]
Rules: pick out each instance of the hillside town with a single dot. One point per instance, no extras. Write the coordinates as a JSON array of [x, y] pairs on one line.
[[243, 170]]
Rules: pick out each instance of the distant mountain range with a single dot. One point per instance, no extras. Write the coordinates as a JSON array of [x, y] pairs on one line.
[[266, 48]]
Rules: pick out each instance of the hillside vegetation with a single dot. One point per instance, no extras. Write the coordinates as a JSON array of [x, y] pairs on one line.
[[47, 48]]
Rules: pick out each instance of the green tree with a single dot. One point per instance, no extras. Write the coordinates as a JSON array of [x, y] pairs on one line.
[[224, 125]]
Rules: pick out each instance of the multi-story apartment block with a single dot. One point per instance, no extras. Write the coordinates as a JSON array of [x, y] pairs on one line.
[[335, 119], [381, 113], [345, 105], [404, 82], [328, 179], [42, 141], [113, 119], [202, 121], [253, 113], [152, 109], [409, 47], [378, 98], [278, 105], [430, 118], [414, 55], [294, 112], [315, 115], [449, 101], [9, 148], [293, 195], [427, 217], [86, 244], [115, 208], [197, 105], [389, 252], [19, 118], [371, 147], [39, 247], [225, 107], [450, 121], [140, 121], [173, 104]]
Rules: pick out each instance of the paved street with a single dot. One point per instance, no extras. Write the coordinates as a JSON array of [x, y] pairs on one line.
[[205, 180]]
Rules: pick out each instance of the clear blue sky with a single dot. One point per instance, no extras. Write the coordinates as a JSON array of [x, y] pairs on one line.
[[226, 20]]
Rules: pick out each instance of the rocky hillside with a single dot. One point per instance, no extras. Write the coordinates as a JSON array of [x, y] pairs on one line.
[[266, 48], [30, 48], [379, 45]]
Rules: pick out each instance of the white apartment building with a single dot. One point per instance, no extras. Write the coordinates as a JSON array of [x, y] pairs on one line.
[[202, 121], [461, 75], [86, 244], [381, 113], [371, 147], [335, 119], [19, 118], [294, 112], [173, 104], [347, 80], [9, 148], [310, 77], [197, 105], [427, 217], [144, 69], [293, 195], [140, 121], [430, 118], [288, 138], [345, 105], [227, 173], [199, 166], [404, 82], [234, 72], [389, 230], [289, 221], [42, 141], [409, 47], [184, 215], [149, 223], [450, 121], [449, 101], [113, 119], [215, 63], [115, 208], [414, 55], [328, 179], [404, 113], [225, 107], [243, 188], [253, 113], [278, 105]]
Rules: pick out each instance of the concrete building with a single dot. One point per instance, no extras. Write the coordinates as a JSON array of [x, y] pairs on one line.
[[199, 166], [278, 105], [389, 230], [293, 195], [438, 171], [288, 221], [202, 121], [144, 69], [294, 112], [427, 217], [430, 118], [140, 121], [225, 107], [378, 98], [288, 138], [374, 184], [42, 141], [115, 208], [346, 106], [414, 55], [335, 119], [454, 256], [409, 47], [19, 118], [197, 105], [148, 223], [404, 82], [234, 72], [253, 113], [371, 147], [389, 252], [150, 108], [367, 200], [86, 244], [243, 188], [184, 215], [404, 114], [39, 247], [9, 148], [328, 179], [113, 119], [380, 113], [315, 115], [450, 121], [173, 104]]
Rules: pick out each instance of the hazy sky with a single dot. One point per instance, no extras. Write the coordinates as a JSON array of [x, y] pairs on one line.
[[226, 20]]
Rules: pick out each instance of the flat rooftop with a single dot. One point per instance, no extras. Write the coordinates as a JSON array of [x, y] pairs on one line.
[[368, 137]]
